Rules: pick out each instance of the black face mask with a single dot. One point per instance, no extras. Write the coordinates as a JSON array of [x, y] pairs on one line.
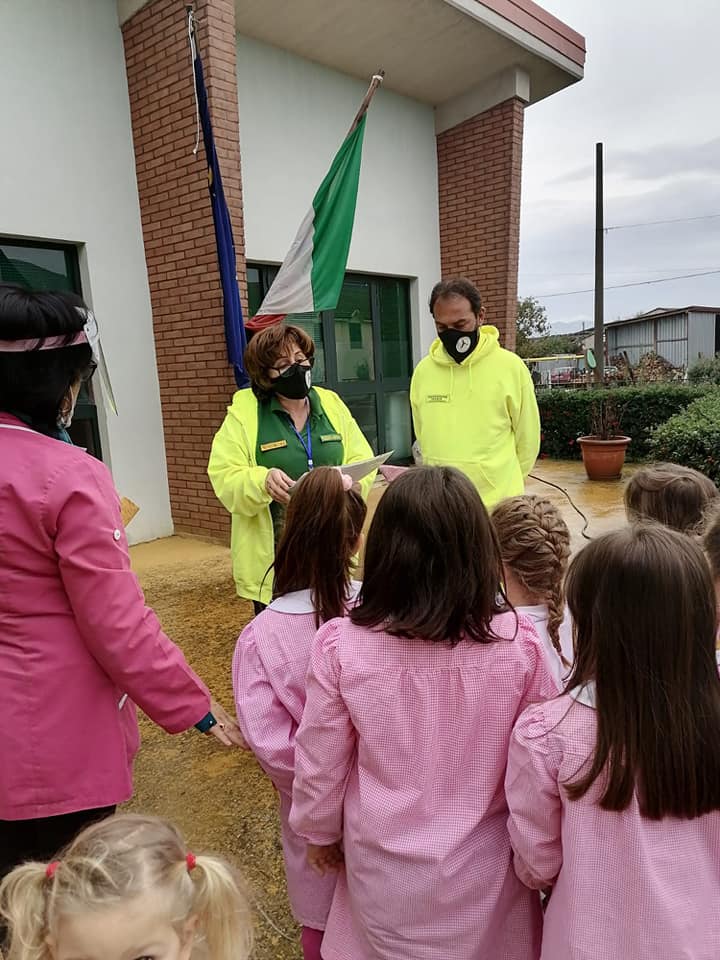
[[295, 382], [459, 344]]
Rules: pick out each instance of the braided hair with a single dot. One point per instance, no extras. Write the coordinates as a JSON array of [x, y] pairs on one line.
[[535, 545]]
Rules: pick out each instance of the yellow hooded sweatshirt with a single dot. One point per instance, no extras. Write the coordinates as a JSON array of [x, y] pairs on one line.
[[480, 416]]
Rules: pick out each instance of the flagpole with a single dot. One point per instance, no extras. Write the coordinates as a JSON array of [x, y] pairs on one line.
[[374, 84]]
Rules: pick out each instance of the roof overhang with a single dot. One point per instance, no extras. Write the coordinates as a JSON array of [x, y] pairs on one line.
[[661, 314], [460, 56]]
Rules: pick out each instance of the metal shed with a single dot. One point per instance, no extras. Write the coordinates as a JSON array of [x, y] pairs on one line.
[[680, 335]]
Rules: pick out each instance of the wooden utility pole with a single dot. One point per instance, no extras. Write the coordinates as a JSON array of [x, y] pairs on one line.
[[599, 268]]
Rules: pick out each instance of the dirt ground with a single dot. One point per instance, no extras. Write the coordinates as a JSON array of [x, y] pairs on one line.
[[220, 798]]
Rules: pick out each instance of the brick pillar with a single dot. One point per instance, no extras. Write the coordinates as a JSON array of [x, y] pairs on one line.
[[196, 382], [479, 171]]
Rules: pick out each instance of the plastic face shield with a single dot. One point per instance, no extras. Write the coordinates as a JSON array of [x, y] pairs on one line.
[[89, 334], [92, 334]]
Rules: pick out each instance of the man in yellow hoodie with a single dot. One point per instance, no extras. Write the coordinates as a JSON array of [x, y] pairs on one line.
[[473, 402]]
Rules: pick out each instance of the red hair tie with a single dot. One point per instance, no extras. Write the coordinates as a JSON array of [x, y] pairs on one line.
[[51, 869], [191, 861]]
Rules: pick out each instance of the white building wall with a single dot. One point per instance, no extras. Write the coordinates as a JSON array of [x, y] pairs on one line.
[[294, 115], [67, 173]]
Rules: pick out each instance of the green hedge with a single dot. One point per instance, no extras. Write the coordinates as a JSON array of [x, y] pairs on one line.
[[565, 415], [692, 437], [705, 370]]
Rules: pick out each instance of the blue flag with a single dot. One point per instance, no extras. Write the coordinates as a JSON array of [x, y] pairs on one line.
[[232, 310]]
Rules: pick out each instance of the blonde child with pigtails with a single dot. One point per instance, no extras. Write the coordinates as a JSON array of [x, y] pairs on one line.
[[126, 887], [535, 550]]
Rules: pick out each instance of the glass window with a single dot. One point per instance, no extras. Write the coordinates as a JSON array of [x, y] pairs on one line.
[[394, 327], [354, 332], [39, 267], [398, 424], [255, 291], [312, 325], [363, 408]]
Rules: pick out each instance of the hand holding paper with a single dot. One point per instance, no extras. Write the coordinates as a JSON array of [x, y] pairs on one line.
[[355, 471]]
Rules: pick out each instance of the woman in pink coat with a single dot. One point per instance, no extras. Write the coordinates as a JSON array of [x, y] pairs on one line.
[[401, 752], [314, 560], [614, 788], [78, 646]]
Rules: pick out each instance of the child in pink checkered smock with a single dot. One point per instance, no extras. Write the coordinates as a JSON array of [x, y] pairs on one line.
[[614, 787], [401, 753], [312, 584], [535, 549]]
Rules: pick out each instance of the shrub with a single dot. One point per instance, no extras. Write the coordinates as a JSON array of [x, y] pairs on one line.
[[566, 415], [692, 437], [705, 370]]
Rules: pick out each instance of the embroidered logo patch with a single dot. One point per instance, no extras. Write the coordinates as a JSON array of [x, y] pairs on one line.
[[437, 398], [275, 445], [330, 437]]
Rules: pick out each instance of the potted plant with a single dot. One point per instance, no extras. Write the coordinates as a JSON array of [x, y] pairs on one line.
[[603, 449]]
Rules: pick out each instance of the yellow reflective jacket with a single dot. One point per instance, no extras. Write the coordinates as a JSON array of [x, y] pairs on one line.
[[239, 484], [480, 416]]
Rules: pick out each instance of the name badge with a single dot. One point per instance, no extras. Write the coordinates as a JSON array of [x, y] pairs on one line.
[[329, 437], [438, 398], [275, 445]]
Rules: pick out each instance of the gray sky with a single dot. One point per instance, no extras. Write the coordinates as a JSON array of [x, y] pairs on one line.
[[651, 94]]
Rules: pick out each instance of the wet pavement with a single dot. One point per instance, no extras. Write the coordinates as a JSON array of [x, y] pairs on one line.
[[600, 501]]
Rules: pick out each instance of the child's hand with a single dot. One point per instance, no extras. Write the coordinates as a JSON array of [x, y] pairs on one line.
[[325, 858]]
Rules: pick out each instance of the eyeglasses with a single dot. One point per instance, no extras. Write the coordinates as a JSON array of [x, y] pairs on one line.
[[284, 370]]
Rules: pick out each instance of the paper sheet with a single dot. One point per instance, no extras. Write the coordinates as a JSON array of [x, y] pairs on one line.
[[358, 471]]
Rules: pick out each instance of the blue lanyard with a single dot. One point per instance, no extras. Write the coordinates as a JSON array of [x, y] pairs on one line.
[[306, 442]]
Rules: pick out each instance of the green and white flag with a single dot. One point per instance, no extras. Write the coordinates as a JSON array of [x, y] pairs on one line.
[[311, 276]]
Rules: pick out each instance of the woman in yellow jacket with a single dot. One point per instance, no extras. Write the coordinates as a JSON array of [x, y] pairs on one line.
[[272, 435]]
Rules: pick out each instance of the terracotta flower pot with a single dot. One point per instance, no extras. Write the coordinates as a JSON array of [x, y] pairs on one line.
[[603, 459]]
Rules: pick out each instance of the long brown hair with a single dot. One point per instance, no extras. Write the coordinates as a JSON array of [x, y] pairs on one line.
[[535, 544], [321, 533], [711, 539], [432, 562], [643, 605], [670, 494]]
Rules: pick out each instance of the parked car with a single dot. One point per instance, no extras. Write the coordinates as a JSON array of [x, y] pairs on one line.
[[563, 375]]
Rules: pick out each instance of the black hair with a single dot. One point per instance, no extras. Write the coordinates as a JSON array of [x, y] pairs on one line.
[[456, 287], [34, 384]]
